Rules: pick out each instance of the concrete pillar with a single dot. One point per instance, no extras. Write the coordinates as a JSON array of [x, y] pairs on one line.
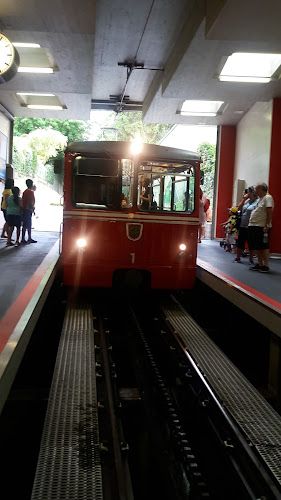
[[225, 175], [274, 181]]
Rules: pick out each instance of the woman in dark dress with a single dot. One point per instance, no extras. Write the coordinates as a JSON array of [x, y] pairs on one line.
[[145, 196]]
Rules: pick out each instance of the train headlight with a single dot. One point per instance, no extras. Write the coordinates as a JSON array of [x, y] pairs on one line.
[[182, 247], [136, 146], [81, 243]]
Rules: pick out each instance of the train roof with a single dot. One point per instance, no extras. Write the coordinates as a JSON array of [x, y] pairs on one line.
[[123, 149]]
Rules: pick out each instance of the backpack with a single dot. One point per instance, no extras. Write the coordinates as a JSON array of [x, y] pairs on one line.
[[207, 204]]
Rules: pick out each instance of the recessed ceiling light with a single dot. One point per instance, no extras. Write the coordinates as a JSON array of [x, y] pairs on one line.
[[250, 67], [244, 79], [238, 112], [27, 45], [35, 94], [200, 113], [28, 69], [200, 108], [44, 106]]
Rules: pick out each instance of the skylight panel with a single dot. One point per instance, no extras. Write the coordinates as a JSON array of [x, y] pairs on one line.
[[250, 67], [200, 108]]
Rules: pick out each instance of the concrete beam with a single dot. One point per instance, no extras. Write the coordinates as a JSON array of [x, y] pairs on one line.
[[213, 9], [186, 35], [151, 94], [162, 79], [240, 20]]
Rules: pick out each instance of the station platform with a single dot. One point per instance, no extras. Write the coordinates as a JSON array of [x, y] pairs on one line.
[[257, 294], [27, 274]]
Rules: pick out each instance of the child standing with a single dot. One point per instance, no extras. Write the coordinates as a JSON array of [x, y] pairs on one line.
[[231, 229]]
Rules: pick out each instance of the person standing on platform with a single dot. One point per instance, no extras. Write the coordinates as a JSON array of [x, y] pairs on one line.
[[231, 230], [28, 204], [202, 216], [6, 193], [260, 227], [246, 206], [14, 207]]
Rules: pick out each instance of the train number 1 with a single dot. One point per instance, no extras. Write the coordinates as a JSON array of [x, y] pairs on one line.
[[133, 257]]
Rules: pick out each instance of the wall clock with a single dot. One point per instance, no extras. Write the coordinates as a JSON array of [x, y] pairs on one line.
[[9, 59]]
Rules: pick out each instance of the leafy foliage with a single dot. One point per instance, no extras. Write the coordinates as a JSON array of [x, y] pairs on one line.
[[38, 141], [31, 151], [130, 124], [23, 158], [207, 152], [74, 130]]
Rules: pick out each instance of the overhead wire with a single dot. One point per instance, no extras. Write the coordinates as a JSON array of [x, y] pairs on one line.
[[131, 66]]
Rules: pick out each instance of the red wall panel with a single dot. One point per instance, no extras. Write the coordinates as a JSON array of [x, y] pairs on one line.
[[274, 183], [227, 141]]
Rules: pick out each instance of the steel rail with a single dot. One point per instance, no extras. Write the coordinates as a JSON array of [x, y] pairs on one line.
[[124, 494], [270, 489]]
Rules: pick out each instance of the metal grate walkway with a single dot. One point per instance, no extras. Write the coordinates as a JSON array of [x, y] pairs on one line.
[[69, 460], [254, 415]]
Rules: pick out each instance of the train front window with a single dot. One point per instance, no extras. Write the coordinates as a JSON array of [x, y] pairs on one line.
[[168, 187], [95, 183]]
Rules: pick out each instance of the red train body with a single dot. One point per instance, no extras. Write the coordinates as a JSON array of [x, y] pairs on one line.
[[115, 231]]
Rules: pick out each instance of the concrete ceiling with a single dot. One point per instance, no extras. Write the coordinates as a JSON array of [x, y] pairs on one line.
[[169, 52]]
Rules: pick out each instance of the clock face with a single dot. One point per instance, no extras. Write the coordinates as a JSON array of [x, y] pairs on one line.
[[9, 59]]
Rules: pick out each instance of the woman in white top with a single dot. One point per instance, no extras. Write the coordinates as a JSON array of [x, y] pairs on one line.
[[260, 226]]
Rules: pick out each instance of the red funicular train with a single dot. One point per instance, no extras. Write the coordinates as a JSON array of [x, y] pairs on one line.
[[130, 217]]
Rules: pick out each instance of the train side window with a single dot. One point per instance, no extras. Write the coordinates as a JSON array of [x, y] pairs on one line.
[[171, 186], [167, 195], [180, 194], [127, 183]]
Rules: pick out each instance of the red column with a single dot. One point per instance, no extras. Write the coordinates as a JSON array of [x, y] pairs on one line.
[[274, 181], [225, 174]]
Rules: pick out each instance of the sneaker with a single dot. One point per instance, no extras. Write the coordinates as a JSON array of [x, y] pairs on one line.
[[17, 244], [264, 269], [32, 241], [9, 244], [24, 242], [238, 261], [256, 267]]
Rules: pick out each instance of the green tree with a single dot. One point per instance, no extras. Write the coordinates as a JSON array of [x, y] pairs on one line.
[[46, 143], [44, 140], [129, 124], [74, 130], [31, 151], [23, 157], [207, 152]]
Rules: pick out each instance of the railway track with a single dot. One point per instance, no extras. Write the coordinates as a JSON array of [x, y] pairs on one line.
[[132, 415]]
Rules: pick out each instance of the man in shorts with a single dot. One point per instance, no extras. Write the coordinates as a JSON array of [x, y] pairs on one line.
[[260, 226], [28, 202]]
